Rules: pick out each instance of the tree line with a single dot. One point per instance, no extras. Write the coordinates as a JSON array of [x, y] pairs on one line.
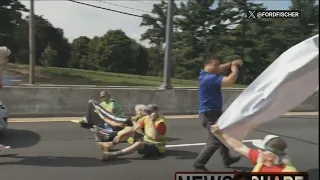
[[199, 31]]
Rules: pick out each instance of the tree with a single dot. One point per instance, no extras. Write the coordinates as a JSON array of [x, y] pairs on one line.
[[80, 51], [157, 25], [94, 53], [155, 34], [45, 34], [246, 37], [139, 59], [116, 52], [49, 56], [195, 20], [305, 26], [10, 18], [155, 61]]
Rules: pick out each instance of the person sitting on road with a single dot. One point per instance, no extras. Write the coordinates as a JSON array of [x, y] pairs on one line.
[[140, 115], [117, 127], [152, 143], [140, 112], [110, 104], [271, 155]]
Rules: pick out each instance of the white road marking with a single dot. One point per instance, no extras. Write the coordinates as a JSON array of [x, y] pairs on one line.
[[199, 144]]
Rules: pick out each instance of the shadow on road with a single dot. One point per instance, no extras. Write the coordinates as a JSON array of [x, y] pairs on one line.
[[54, 161], [17, 138]]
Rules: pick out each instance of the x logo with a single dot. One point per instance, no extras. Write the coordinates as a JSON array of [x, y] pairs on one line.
[[251, 14]]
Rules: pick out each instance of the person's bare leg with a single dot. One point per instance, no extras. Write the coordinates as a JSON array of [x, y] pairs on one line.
[[106, 146], [133, 148], [129, 150]]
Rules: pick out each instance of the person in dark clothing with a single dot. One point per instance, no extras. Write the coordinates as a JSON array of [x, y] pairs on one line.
[[210, 107]]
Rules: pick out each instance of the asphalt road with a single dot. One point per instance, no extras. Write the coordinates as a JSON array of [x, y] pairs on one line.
[[65, 151]]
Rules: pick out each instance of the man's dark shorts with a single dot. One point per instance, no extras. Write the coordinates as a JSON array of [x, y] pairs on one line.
[[148, 150]]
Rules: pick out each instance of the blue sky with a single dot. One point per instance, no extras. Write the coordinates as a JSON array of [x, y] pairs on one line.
[[78, 20]]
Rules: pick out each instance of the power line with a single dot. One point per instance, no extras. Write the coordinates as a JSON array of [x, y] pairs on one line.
[[121, 12], [124, 6]]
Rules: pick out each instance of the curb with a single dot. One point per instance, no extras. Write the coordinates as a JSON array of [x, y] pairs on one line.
[[70, 119]]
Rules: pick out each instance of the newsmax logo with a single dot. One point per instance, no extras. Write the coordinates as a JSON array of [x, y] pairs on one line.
[[240, 176]]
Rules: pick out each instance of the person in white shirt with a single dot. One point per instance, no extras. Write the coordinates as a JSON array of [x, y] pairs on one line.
[[4, 54]]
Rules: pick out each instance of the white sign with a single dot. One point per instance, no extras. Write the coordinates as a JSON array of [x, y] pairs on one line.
[[287, 82]]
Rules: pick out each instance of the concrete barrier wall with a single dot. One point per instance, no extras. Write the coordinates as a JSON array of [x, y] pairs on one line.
[[73, 101]]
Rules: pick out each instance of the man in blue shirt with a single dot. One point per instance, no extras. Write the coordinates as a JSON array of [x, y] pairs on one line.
[[210, 107]]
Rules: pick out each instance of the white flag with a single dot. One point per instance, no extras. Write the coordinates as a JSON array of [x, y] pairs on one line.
[[286, 83]]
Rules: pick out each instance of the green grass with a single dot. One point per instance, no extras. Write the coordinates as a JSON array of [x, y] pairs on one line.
[[68, 76]]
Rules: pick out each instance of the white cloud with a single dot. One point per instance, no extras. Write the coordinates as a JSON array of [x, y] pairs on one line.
[[80, 20]]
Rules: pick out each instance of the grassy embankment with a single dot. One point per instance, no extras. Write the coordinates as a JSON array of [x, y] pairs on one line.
[[67, 76]]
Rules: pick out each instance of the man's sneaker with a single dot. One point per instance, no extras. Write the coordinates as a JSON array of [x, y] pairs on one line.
[[232, 161], [4, 148], [200, 169]]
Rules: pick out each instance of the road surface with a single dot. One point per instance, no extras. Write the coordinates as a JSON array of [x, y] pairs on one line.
[[65, 151]]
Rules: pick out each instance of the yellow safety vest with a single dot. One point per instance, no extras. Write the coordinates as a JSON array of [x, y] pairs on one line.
[[112, 104], [287, 168], [138, 120], [161, 141]]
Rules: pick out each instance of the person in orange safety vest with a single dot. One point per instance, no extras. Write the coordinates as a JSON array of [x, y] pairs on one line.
[[270, 155]]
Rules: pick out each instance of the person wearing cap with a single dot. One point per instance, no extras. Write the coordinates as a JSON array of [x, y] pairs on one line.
[[270, 155], [151, 143], [110, 104]]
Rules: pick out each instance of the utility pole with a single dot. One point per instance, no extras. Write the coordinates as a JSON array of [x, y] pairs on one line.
[[168, 50], [31, 44]]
